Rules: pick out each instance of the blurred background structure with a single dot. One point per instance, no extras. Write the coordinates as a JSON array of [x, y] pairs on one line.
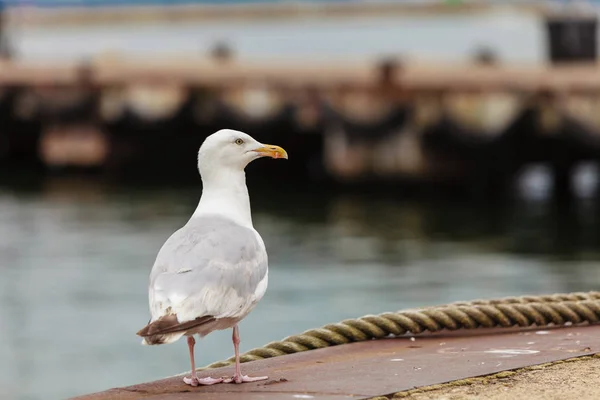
[[439, 151]]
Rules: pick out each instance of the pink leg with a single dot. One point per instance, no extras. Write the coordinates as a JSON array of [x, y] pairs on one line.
[[238, 377], [193, 380]]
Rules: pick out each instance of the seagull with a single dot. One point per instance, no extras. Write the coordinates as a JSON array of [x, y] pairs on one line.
[[213, 271]]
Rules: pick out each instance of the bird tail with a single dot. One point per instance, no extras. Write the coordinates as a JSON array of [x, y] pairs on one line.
[[161, 339], [167, 329]]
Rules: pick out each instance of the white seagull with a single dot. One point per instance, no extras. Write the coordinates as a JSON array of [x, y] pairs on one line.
[[213, 271]]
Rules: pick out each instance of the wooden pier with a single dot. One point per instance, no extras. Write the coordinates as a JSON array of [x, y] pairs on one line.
[[348, 122], [390, 73]]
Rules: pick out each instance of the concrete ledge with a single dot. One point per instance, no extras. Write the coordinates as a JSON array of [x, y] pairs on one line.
[[380, 367]]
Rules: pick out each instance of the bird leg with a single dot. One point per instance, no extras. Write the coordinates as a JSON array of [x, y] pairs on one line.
[[238, 377], [194, 380]]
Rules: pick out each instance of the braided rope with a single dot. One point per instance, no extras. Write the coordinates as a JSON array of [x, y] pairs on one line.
[[524, 311]]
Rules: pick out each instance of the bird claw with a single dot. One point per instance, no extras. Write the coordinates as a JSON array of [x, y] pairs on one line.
[[195, 381], [244, 378]]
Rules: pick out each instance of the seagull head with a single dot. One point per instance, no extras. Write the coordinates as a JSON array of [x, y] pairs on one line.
[[228, 148]]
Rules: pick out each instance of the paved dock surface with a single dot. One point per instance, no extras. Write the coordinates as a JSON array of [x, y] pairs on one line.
[[577, 379], [380, 367]]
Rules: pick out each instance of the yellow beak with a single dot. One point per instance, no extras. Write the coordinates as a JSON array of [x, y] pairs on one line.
[[268, 150]]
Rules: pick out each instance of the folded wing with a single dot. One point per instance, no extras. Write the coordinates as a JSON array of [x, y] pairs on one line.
[[210, 269]]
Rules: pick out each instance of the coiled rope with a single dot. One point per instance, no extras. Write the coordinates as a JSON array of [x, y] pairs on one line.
[[524, 311]]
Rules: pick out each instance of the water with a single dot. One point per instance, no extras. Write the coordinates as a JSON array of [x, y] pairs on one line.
[[75, 258]]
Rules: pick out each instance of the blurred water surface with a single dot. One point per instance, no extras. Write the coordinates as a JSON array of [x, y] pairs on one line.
[[75, 259]]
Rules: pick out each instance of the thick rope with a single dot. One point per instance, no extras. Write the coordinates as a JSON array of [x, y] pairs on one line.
[[525, 311]]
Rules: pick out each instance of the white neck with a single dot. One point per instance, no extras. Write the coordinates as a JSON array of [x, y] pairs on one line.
[[225, 193]]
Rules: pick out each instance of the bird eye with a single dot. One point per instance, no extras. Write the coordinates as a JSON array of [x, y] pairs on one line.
[[239, 141]]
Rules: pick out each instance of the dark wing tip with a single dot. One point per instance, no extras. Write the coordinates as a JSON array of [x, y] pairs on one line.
[[170, 324], [144, 331]]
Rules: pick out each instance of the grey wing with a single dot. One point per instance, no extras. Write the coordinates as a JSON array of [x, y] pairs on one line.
[[211, 266]]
